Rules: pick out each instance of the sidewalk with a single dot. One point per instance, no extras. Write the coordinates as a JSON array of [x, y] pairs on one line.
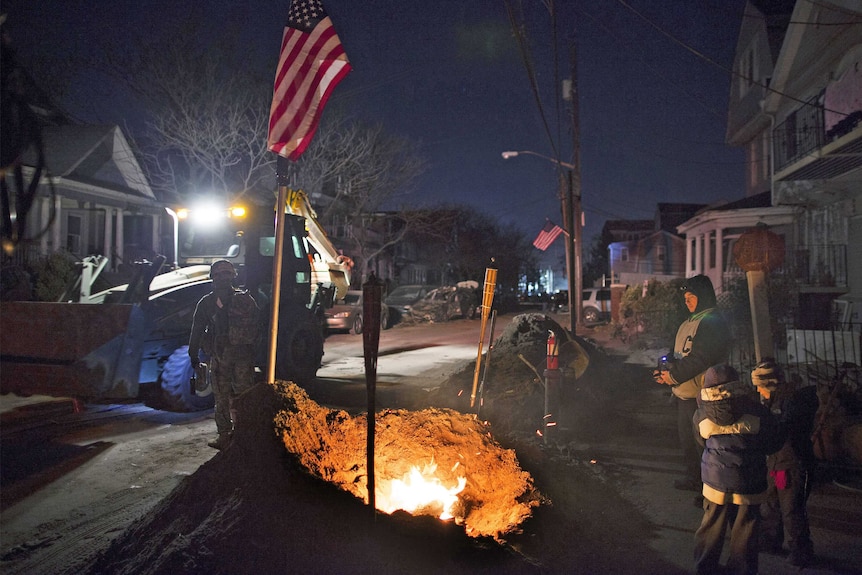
[[649, 453]]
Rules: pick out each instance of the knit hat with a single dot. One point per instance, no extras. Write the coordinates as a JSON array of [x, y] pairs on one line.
[[767, 375], [718, 374]]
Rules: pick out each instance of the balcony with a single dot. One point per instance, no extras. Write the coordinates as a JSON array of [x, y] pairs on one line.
[[814, 267], [820, 266], [806, 150]]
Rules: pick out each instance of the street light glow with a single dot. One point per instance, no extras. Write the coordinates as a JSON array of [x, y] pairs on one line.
[[513, 154]]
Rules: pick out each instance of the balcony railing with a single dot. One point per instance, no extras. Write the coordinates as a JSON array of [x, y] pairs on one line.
[[820, 265], [800, 134], [804, 131]]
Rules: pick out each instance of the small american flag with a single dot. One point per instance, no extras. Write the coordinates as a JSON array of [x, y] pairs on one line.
[[547, 236], [311, 63]]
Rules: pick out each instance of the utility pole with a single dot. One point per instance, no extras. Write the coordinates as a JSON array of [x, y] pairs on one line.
[[574, 190]]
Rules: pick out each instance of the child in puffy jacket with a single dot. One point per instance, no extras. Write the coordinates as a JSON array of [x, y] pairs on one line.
[[737, 434]]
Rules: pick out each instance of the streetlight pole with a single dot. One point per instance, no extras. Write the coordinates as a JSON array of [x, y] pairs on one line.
[[570, 206]]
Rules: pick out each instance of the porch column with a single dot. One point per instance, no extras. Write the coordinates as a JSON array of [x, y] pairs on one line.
[[698, 254], [57, 228], [109, 233], [157, 237], [719, 255], [688, 246], [44, 216], [120, 241]]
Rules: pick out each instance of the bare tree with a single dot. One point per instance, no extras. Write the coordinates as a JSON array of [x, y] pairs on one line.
[[206, 113], [351, 172]]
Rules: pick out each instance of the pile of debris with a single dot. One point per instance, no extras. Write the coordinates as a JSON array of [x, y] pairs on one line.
[[511, 383]]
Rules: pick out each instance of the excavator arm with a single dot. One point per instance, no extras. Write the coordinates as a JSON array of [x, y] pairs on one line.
[[327, 264]]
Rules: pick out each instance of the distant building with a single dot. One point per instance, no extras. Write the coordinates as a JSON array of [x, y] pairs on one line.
[[649, 249]]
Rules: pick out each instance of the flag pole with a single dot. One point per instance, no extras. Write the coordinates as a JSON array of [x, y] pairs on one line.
[[275, 297]]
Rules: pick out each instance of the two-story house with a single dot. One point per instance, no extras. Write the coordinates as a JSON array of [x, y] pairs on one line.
[[649, 249], [796, 107]]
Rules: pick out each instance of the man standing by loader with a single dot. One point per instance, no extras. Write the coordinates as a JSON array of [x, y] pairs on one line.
[[225, 327]]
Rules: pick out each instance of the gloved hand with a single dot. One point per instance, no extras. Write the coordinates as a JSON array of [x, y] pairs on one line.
[[195, 362]]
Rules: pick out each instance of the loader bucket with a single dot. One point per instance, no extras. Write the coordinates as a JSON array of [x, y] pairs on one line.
[[71, 350]]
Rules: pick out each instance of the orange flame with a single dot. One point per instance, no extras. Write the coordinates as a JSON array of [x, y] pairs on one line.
[[419, 490]]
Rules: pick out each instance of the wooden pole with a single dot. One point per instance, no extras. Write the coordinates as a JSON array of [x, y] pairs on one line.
[[372, 294], [487, 300], [275, 298]]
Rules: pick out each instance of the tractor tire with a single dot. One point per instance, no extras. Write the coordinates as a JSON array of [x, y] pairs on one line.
[[299, 352], [174, 381]]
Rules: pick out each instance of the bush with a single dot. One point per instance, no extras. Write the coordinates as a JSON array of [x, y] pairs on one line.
[[51, 275], [657, 309]]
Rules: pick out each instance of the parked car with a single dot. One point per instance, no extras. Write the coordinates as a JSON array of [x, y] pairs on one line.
[[596, 305], [448, 302], [346, 314], [402, 298]]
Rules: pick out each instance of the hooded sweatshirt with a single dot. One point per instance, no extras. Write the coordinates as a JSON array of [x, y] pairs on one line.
[[702, 340]]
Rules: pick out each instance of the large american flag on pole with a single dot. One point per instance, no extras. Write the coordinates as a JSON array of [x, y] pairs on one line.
[[547, 236], [311, 63]]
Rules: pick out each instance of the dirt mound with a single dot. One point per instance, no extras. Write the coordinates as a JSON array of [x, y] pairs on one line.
[[497, 495], [254, 509], [511, 394]]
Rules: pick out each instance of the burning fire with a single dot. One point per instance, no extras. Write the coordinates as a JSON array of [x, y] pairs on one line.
[[419, 490]]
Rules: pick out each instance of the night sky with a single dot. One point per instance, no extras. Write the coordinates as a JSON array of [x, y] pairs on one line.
[[449, 75]]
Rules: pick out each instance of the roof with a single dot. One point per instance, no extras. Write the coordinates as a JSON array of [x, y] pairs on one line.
[[98, 156]]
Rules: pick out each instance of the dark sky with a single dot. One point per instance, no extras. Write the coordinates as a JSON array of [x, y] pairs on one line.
[[449, 75]]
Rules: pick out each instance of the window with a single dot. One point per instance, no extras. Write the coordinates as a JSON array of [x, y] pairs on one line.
[[660, 253], [73, 234], [624, 254]]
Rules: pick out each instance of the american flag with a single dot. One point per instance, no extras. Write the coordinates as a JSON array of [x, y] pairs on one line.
[[547, 236], [311, 63]]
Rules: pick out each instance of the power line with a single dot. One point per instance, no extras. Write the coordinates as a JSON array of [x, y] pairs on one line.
[[718, 65]]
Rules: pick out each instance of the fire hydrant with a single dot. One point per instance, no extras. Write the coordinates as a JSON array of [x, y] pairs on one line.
[[553, 379]]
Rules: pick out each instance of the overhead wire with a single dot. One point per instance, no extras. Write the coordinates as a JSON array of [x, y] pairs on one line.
[[718, 65]]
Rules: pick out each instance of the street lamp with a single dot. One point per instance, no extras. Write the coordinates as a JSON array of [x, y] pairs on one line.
[[176, 220], [571, 208]]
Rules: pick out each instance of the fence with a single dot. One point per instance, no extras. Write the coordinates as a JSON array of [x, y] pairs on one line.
[[810, 356]]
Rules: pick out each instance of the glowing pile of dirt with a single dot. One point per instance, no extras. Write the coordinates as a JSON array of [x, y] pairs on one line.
[[497, 497], [253, 508]]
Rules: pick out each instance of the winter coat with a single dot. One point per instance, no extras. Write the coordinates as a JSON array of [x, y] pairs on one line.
[[737, 434], [795, 411]]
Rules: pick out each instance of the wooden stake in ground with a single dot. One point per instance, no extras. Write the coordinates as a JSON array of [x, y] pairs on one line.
[[487, 300], [372, 294]]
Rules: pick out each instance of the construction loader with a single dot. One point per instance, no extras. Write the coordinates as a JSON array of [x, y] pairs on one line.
[[130, 342]]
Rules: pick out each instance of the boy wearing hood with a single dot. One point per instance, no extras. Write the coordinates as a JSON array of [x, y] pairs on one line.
[[737, 434], [701, 341]]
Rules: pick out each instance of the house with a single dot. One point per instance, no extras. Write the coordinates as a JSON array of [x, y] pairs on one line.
[[796, 107], [649, 249], [92, 198]]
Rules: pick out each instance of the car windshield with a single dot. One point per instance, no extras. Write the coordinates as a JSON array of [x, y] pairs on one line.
[[351, 299], [405, 292]]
